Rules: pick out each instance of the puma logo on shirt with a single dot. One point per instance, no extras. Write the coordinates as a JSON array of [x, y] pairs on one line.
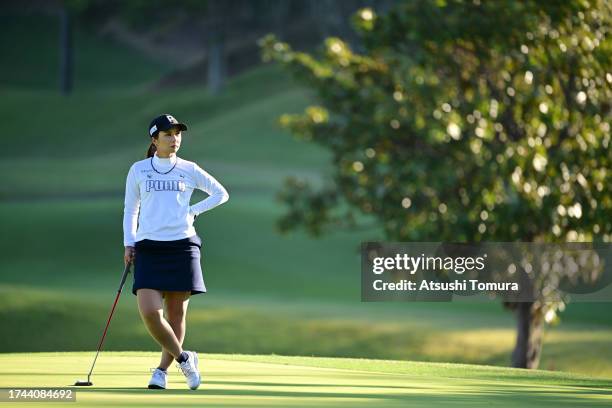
[[165, 185]]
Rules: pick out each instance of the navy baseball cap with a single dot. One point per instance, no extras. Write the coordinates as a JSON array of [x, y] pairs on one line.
[[164, 122]]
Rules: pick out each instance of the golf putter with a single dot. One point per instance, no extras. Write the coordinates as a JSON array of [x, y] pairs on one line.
[[83, 383]]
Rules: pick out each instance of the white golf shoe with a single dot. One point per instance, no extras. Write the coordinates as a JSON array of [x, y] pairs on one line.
[[190, 370], [159, 380]]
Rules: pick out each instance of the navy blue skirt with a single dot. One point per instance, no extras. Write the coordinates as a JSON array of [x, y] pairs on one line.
[[169, 265]]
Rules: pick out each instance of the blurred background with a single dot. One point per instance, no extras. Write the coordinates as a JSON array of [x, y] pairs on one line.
[[330, 123]]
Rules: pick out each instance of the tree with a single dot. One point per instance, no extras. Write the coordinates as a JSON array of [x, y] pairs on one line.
[[67, 10], [66, 52], [216, 49], [463, 121]]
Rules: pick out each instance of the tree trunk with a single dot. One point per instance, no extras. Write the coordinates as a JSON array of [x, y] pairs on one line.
[[216, 64], [528, 347], [216, 49], [66, 57]]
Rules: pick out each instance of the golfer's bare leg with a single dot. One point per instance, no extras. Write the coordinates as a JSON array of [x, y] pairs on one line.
[[176, 311], [150, 305]]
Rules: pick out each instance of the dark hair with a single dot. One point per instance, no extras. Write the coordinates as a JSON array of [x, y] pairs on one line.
[[152, 148]]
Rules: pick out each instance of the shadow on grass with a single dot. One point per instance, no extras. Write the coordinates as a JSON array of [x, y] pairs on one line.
[[462, 396], [39, 322], [50, 318]]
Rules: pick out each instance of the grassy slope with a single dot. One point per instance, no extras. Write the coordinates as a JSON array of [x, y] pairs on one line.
[[61, 241], [257, 324], [242, 380], [32, 57]]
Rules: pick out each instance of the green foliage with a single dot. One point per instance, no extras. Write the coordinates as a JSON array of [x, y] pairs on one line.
[[76, 6], [462, 121], [160, 14]]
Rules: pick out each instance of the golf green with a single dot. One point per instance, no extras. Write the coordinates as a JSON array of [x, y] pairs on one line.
[[120, 379]]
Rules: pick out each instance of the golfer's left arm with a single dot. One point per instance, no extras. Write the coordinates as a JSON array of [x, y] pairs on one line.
[[217, 194]]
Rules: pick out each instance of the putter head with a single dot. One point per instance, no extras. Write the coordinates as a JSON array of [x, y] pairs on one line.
[[83, 383]]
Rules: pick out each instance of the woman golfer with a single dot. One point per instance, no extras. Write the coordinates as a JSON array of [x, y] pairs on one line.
[[161, 241]]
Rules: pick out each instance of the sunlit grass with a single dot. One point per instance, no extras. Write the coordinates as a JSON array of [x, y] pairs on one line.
[[260, 380]]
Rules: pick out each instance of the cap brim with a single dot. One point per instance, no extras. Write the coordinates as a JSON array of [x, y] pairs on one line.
[[181, 126]]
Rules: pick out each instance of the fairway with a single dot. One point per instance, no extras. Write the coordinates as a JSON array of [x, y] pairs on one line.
[[120, 379]]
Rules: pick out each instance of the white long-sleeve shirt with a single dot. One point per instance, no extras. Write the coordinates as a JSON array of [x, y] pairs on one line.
[[157, 205]]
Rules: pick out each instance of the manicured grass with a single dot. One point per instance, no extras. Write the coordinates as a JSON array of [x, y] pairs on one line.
[[224, 323], [244, 381]]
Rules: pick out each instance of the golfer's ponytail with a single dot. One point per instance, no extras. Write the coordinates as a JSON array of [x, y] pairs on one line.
[[151, 151]]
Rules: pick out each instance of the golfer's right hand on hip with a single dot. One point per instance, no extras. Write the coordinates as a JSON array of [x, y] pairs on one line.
[[129, 255]]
